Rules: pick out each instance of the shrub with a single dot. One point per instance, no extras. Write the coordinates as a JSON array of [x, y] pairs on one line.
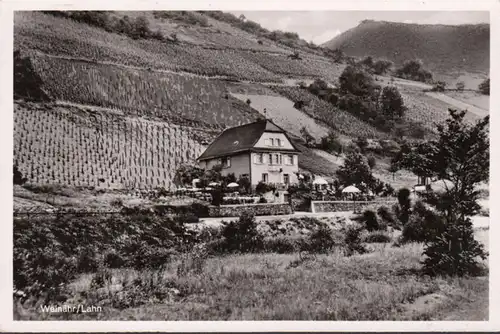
[[242, 236], [484, 87], [188, 218], [387, 216], [372, 161], [151, 257], [377, 236], [262, 200], [423, 225], [200, 210], [353, 243], [18, 176], [369, 220], [404, 205], [455, 251], [87, 260], [113, 259], [281, 245], [262, 188], [321, 240]]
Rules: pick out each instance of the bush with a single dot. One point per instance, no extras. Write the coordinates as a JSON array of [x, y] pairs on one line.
[[484, 87], [377, 236], [113, 259], [262, 188], [281, 245], [387, 216], [262, 200], [404, 205], [353, 243], [87, 260], [148, 257], [423, 225], [454, 251], [188, 218], [321, 240], [242, 236], [369, 220]]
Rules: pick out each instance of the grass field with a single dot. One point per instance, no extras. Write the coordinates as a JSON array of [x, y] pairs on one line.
[[381, 285], [281, 111], [473, 98]]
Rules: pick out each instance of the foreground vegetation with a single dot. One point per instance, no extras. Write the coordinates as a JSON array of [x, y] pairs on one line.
[[265, 286]]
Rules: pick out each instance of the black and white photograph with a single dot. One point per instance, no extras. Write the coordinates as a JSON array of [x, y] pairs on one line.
[[250, 165]]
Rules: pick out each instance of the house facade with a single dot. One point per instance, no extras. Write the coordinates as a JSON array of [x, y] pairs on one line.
[[261, 151]]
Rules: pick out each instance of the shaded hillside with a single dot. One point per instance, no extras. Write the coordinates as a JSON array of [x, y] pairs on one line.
[[442, 48]]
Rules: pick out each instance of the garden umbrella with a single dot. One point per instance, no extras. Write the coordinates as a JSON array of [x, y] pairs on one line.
[[350, 189], [320, 181], [233, 185]]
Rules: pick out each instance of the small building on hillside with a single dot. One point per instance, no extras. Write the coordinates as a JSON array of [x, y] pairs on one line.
[[261, 151]]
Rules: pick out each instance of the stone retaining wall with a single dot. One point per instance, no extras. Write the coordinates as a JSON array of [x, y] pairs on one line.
[[337, 206], [264, 209]]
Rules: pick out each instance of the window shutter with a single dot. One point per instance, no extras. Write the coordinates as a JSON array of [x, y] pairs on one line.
[[294, 159], [255, 158], [229, 162]]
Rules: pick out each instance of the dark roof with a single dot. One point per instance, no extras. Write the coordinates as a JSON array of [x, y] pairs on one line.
[[240, 139]]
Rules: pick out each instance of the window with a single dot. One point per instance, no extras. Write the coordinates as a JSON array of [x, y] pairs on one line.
[[271, 142], [259, 158], [288, 159], [264, 177], [226, 162], [286, 179], [275, 159], [278, 142]]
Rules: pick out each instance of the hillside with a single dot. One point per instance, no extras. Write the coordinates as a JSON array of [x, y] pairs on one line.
[[444, 49], [109, 109]]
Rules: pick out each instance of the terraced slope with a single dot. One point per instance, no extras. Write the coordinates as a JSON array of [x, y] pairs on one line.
[[170, 96], [337, 119], [88, 147]]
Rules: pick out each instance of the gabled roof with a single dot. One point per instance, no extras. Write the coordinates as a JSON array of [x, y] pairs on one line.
[[240, 138]]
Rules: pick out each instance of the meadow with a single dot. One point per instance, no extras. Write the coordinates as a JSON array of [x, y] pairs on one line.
[[274, 284]]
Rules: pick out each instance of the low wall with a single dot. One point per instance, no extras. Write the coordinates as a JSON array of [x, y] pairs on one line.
[[264, 209], [337, 206]]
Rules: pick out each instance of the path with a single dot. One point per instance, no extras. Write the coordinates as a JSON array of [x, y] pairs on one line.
[[458, 104]]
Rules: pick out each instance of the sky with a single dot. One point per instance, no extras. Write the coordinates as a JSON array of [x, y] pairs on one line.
[[321, 26]]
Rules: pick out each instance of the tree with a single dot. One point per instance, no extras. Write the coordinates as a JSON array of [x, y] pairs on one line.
[[362, 143], [439, 86], [18, 176], [460, 155], [242, 17], [413, 70], [330, 143], [391, 103], [460, 86], [308, 138], [484, 87], [372, 162], [187, 173], [355, 171], [382, 66], [354, 80]]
